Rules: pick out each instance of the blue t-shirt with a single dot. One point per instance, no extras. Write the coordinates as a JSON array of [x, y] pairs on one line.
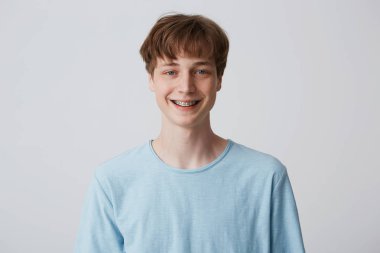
[[242, 202]]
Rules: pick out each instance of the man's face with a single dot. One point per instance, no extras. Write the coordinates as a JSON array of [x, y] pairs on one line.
[[185, 90]]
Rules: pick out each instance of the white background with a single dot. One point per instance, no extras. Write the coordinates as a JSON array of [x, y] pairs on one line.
[[301, 83]]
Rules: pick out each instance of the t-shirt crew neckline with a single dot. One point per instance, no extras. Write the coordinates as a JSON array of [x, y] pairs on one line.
[[196, 170]]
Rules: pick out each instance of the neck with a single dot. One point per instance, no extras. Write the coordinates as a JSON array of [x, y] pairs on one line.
[[188, 148]]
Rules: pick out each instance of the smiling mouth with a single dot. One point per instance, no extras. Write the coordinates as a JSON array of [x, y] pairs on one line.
[[185, 103]]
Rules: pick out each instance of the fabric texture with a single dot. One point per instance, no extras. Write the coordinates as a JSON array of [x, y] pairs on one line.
[[242, 202]]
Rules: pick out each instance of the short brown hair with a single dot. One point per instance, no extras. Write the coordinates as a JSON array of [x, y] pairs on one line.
[[193, 35]]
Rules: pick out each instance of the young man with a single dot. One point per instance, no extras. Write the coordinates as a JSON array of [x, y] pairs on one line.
[[189, 190]]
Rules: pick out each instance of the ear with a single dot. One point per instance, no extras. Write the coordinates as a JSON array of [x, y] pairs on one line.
[[151, 83], [219, 84]]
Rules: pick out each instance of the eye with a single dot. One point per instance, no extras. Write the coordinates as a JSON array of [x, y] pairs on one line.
[[201, 71], [170, 73]]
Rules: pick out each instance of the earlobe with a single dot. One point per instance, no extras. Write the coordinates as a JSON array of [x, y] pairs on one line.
[[151, 83], [219, 84]]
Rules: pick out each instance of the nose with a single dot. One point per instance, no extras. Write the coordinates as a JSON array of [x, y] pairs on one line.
[[186, 83]]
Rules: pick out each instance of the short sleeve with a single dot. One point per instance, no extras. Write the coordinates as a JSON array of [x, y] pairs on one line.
[[98, 231], [286, 236]]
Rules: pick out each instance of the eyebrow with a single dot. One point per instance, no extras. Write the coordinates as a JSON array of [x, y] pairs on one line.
[[169, 64], [199, 63]]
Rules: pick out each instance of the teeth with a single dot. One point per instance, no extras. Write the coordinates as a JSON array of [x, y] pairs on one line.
[[185, 103]]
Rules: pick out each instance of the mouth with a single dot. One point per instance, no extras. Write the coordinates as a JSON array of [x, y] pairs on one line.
[[187, 103]]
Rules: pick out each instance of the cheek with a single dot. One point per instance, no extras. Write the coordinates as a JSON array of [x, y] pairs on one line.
[[210, 89], [162, 92]]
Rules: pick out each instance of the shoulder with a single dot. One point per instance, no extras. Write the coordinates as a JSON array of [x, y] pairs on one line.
[[257, 161], [125, 164]]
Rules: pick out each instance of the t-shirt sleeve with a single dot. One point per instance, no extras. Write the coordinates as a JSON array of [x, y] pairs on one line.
[[286, 236], [98, 231]]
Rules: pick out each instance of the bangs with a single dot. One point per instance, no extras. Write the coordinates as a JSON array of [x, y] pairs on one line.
[[193, 43]]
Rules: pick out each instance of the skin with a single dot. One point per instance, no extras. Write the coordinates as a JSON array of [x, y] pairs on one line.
[[186, 139]]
